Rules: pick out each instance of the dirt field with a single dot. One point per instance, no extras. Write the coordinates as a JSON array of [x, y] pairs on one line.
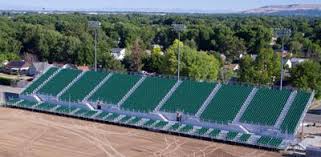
[[28, 134]]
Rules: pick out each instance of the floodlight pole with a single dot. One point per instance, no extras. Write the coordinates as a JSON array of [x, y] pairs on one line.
[[282, 33], [178, 28], [95, 25], [95, 50], [179, 55], [282, 50]]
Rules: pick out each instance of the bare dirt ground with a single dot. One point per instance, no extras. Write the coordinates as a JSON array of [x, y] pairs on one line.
[[28, 134]]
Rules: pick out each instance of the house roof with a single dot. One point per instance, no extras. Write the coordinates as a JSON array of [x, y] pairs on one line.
[[83, 68], [17, 64], [116, 50], [297, 60]]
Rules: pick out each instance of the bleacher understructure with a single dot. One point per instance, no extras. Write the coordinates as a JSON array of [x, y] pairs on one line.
[[247, 115]]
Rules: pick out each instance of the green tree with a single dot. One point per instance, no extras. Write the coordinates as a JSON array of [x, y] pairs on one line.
[[106, 61], [226, 43], [153, 63], [264, 70], [307, 76], [256, 37], [8, 57], [195, 64], [295, 47], [133, 61]]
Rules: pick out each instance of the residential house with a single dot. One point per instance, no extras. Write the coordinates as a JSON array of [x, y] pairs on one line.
[[290, 63], [118, 53], [17, 67]]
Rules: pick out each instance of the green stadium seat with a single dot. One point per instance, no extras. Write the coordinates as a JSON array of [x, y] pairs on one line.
[[174, 127], [125, 119], [147, 96], [188, 97], [263, 140], [39, 81], [59, 82], [275, 142], [186, 129], [244, 137], [45, 106], [102, 115], [81, 112], [90, 113], [12, 101], [295, 112], [65, 109], [111, 117], [160, 124], [265, 107], [149, 123], [226, 104], [27, 104], [214, 133], [80, 89], [116, 87], [201, 131], [231, 135], [134, 121]]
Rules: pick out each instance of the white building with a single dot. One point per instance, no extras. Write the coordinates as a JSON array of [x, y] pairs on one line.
[[290, 63], [118, 53]]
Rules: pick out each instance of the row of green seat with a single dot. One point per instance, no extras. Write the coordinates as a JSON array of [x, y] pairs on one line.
[[226, 103], [80, 89], [147, 96], [65, 109], [40, 80], [26, 104], [265, 107], [244, 137], [269, 141], [149, 123], [188, 97], [85, 112], [59, 82], [46, 106], [214, 133], [112, 91], [12, 101], [295, 112]]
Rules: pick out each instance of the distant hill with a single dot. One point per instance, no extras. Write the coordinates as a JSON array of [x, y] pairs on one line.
[[294, 9]]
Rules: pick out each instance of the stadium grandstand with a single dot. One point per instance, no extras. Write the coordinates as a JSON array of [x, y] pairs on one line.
[[243, 114]]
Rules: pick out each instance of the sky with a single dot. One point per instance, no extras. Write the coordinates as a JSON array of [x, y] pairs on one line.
[[212, 5]]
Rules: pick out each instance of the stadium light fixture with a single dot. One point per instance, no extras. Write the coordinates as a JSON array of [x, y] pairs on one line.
[[179, 28], [95, 25], [282, 33]]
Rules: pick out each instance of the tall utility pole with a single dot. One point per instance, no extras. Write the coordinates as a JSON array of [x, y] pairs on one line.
[[282, 33], [94, 25], [179, 28]]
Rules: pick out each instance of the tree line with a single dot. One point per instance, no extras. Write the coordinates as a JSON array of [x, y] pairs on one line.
[[67, 38]]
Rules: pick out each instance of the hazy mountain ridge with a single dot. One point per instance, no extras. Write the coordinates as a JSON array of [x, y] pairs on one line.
[[293, 9]]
